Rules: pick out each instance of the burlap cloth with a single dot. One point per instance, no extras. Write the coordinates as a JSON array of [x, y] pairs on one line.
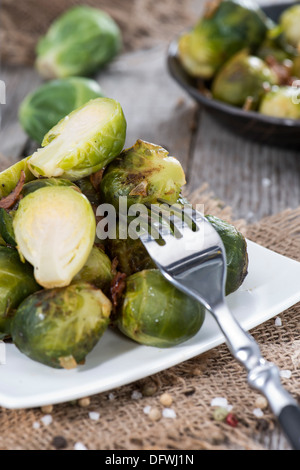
[[123, 424]]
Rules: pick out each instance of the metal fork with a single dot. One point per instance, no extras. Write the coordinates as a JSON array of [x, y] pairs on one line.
[[190, 254]]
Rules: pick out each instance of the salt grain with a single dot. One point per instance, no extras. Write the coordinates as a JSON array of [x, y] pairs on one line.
[[36, 425], [147, 409], [258, 412], [94, 415], [169, 413], [46, 420], [221, 402], [136, 395], [278, 321], [266, 182], [111, 396], [286, 374], [79, 446]]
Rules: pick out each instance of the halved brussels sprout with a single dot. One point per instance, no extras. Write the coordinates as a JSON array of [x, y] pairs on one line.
[[289, 25], [225, 29], [59, 327], [83, 142], [16, 283], [153, 312], [97, 270], [242, 77], [79, 42], [282, 102], [55, 230], [9, 178], [142, 173], [47, 105]]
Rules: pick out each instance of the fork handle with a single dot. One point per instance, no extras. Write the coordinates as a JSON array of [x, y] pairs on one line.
[[262, 375]]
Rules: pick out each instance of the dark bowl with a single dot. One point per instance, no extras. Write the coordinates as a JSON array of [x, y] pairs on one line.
[[248, 124]]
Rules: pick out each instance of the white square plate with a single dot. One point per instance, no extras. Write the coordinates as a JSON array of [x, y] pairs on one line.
[[271, 286]]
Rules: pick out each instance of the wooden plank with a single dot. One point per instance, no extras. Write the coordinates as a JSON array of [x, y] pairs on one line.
[[255, 180], [19, 81]]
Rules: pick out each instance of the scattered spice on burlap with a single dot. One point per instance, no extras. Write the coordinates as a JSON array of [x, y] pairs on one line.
[[188, 424], [142, 23]]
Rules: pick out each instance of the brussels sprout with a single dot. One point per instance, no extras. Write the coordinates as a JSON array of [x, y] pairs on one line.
[[9, 178], [87, 188], [142, 173], [79, 42], [289, 25], [16, 283], [243, 76], [153, 312], [44, 182], [55, 231], [97, 270], [233, 25], [45, 107], [59, 327], [83, 142], [236, 253], [282, 102], [130, 253], [6, 227]]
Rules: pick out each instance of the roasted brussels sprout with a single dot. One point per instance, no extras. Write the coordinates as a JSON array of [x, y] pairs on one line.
[[86, 187], [6, 227], [9, 178], [79, 42], [83, 142], [97, 270], [242, 77], [236, 253], [55, 230], [36, 184], [230, 26], [142, 173], [59, 327], [16, 283], [289, 25], [282, 102], [153, 312], [45, 107]]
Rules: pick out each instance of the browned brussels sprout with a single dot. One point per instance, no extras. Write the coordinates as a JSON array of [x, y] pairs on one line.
[[16, 283], [59, 327], [153, 312], [142, 174], [243, 77], [227, 28], [282, 102], [97, 270]]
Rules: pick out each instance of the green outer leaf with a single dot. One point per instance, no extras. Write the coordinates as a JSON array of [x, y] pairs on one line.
[[59, 323], [6, 227], [52, 101], [97, 270], [155, 313]]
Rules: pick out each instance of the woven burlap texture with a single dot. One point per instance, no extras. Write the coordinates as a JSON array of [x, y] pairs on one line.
[[142, 23], [123, 424]]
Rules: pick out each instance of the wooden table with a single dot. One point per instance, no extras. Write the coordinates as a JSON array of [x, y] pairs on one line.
[[255, 180]]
